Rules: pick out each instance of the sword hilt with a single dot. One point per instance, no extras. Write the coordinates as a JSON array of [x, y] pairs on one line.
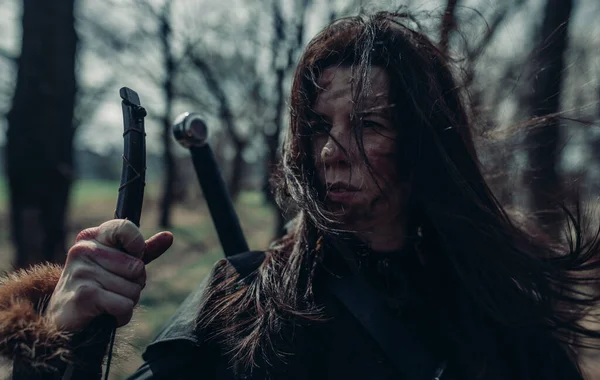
[[129, 206], [191, 132], [133, 175]]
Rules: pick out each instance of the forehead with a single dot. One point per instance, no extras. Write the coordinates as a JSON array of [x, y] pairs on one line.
[[337, 84]]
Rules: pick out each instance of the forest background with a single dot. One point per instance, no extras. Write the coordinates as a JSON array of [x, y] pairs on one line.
[[531, 67]]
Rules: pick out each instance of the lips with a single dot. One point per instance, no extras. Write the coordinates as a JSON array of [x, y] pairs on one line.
[[340, 186], [341, 192]]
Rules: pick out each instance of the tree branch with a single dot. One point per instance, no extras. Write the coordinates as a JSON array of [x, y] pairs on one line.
[[214, 87], [491, 30], [475, 52], [89, 99]]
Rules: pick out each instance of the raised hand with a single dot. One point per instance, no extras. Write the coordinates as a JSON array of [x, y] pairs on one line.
[[104, 273]]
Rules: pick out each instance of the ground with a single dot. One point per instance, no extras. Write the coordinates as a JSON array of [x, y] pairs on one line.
[[174, 275]]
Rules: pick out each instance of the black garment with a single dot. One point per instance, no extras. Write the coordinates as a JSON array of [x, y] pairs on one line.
[[341, 348]]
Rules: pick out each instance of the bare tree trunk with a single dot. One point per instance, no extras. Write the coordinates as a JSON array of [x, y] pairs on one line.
[[448, 24], [170, 175], [237, 171], [227, 118], [498, 160], [543, 142], [595, 148], [40, 132], [272, 139]]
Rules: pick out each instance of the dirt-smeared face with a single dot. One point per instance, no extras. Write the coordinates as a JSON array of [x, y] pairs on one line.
[[364, 190]]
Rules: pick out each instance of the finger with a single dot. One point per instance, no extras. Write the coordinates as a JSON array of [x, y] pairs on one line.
[[90, 301], [121, 286], [87, 234], [121, 233], [116, 305], [157, 245], [110, 259], [110, 281]]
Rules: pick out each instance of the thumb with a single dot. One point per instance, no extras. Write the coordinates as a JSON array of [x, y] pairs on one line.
[[156, 246]]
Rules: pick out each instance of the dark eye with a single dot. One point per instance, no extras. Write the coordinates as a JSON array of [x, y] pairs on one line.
[[320, 127], [370, 124]]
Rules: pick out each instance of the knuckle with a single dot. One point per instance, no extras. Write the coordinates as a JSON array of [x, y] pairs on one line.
[[109, 232], [87, 234], [127, 225], [137, 292], [137, 268], [142, 277], [129, 305], [110, 224], [126, 229], [130, 290], [135, 300], [82, 272], [85, 293], [116, 231], [120, 225], [131, 237], [124, 317], [124, 307], [80, 249]]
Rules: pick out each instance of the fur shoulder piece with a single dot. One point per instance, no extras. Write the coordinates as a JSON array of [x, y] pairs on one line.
[[24, 333]]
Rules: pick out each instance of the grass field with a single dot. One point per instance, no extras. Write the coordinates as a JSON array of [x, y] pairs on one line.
[[174, 275]]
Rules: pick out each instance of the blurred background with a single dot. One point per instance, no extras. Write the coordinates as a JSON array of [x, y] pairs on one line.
[[532, 68]]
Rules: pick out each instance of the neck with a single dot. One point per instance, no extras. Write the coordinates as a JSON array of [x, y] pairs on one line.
[[385, 237]]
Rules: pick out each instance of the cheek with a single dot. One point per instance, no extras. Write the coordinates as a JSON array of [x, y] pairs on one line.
[[383, 160]]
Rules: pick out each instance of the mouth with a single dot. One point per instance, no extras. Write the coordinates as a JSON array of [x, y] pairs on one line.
[[340, 187], [341, 192]]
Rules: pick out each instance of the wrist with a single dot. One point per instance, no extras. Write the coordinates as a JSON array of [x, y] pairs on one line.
[[27, 335]]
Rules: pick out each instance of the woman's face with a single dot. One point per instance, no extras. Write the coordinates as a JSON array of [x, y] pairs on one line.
[[362, 199]]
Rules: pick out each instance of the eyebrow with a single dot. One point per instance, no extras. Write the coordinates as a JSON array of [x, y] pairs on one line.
[[381, 111], [327, 95]]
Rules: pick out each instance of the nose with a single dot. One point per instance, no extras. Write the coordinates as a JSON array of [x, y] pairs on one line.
[[334, 152]]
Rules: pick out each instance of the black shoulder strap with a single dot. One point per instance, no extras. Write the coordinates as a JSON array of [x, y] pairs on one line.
[[247, 262], [181, 326], [401, 347], [399, 344], [177, 347]]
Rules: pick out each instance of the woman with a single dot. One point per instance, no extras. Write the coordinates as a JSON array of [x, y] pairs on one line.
[[393, 218]]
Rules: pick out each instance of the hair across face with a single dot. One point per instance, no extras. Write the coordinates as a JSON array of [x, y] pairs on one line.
[[425, 145], [355, 151], [487, 280]]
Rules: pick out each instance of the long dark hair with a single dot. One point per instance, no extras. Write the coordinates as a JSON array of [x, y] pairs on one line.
[[502, 294]]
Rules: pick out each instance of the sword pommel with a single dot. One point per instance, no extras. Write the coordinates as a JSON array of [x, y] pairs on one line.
[[190, 130]]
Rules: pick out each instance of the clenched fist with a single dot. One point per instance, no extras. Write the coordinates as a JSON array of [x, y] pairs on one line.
[[104, 273]]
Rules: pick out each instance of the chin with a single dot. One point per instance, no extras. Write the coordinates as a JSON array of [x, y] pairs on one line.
[[349, 215]]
